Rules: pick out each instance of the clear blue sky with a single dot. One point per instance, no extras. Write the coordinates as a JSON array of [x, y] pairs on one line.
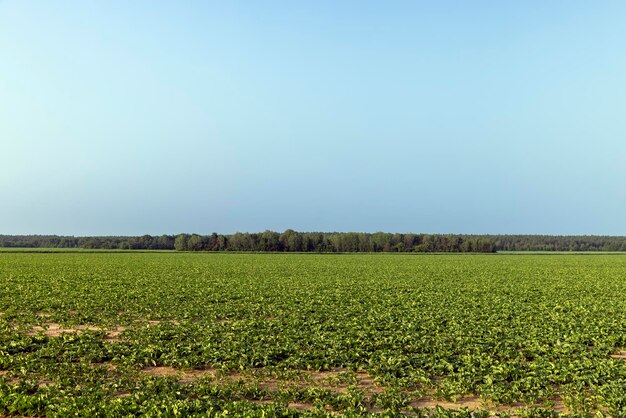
[[133, 117]]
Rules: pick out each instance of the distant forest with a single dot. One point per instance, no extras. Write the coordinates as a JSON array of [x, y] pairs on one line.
[[292, 241]]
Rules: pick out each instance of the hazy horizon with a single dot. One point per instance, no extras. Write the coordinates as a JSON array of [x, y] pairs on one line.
[[157, 118]]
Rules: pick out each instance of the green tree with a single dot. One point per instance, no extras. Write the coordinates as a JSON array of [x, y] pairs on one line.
[[181, 242]]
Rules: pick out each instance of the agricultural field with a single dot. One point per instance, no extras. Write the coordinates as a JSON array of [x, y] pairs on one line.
[[184, 334]]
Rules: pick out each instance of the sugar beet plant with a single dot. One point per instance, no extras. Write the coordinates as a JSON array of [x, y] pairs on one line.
[[175, 334]]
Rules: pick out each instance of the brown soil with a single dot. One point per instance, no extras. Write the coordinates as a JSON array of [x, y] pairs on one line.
[[333, 380], [469, 402], [161, 371], [44, 383], [262, 401], [52, 329], [327, 379], [300, 406], [367, 383], [183, 376], [15, 380], [620, 355], [559, 406], [11, 380]]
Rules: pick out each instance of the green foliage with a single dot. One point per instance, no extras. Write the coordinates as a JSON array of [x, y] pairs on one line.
[[528, 331]]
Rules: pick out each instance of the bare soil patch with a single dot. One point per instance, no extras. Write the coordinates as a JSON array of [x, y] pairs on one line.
[[261, 401], [340, 379], [11, 380], [43, 383], [468, 402], [300, 406], [183, 376], [620, 355], [52, 329], [336, 380], [368, 384], [559, 406], [161, 371], [14, 380]]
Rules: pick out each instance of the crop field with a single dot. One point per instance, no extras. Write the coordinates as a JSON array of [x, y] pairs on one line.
[[183, 334]]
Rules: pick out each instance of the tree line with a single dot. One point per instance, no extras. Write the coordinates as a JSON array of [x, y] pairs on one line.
[[267, 241], [293, 241], [559, 243], [144, 242]]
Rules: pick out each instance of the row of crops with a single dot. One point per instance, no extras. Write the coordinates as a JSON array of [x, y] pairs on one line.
[[184, 334]]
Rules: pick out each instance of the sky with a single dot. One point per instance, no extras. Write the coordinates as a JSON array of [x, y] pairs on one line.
[[153, 117]]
